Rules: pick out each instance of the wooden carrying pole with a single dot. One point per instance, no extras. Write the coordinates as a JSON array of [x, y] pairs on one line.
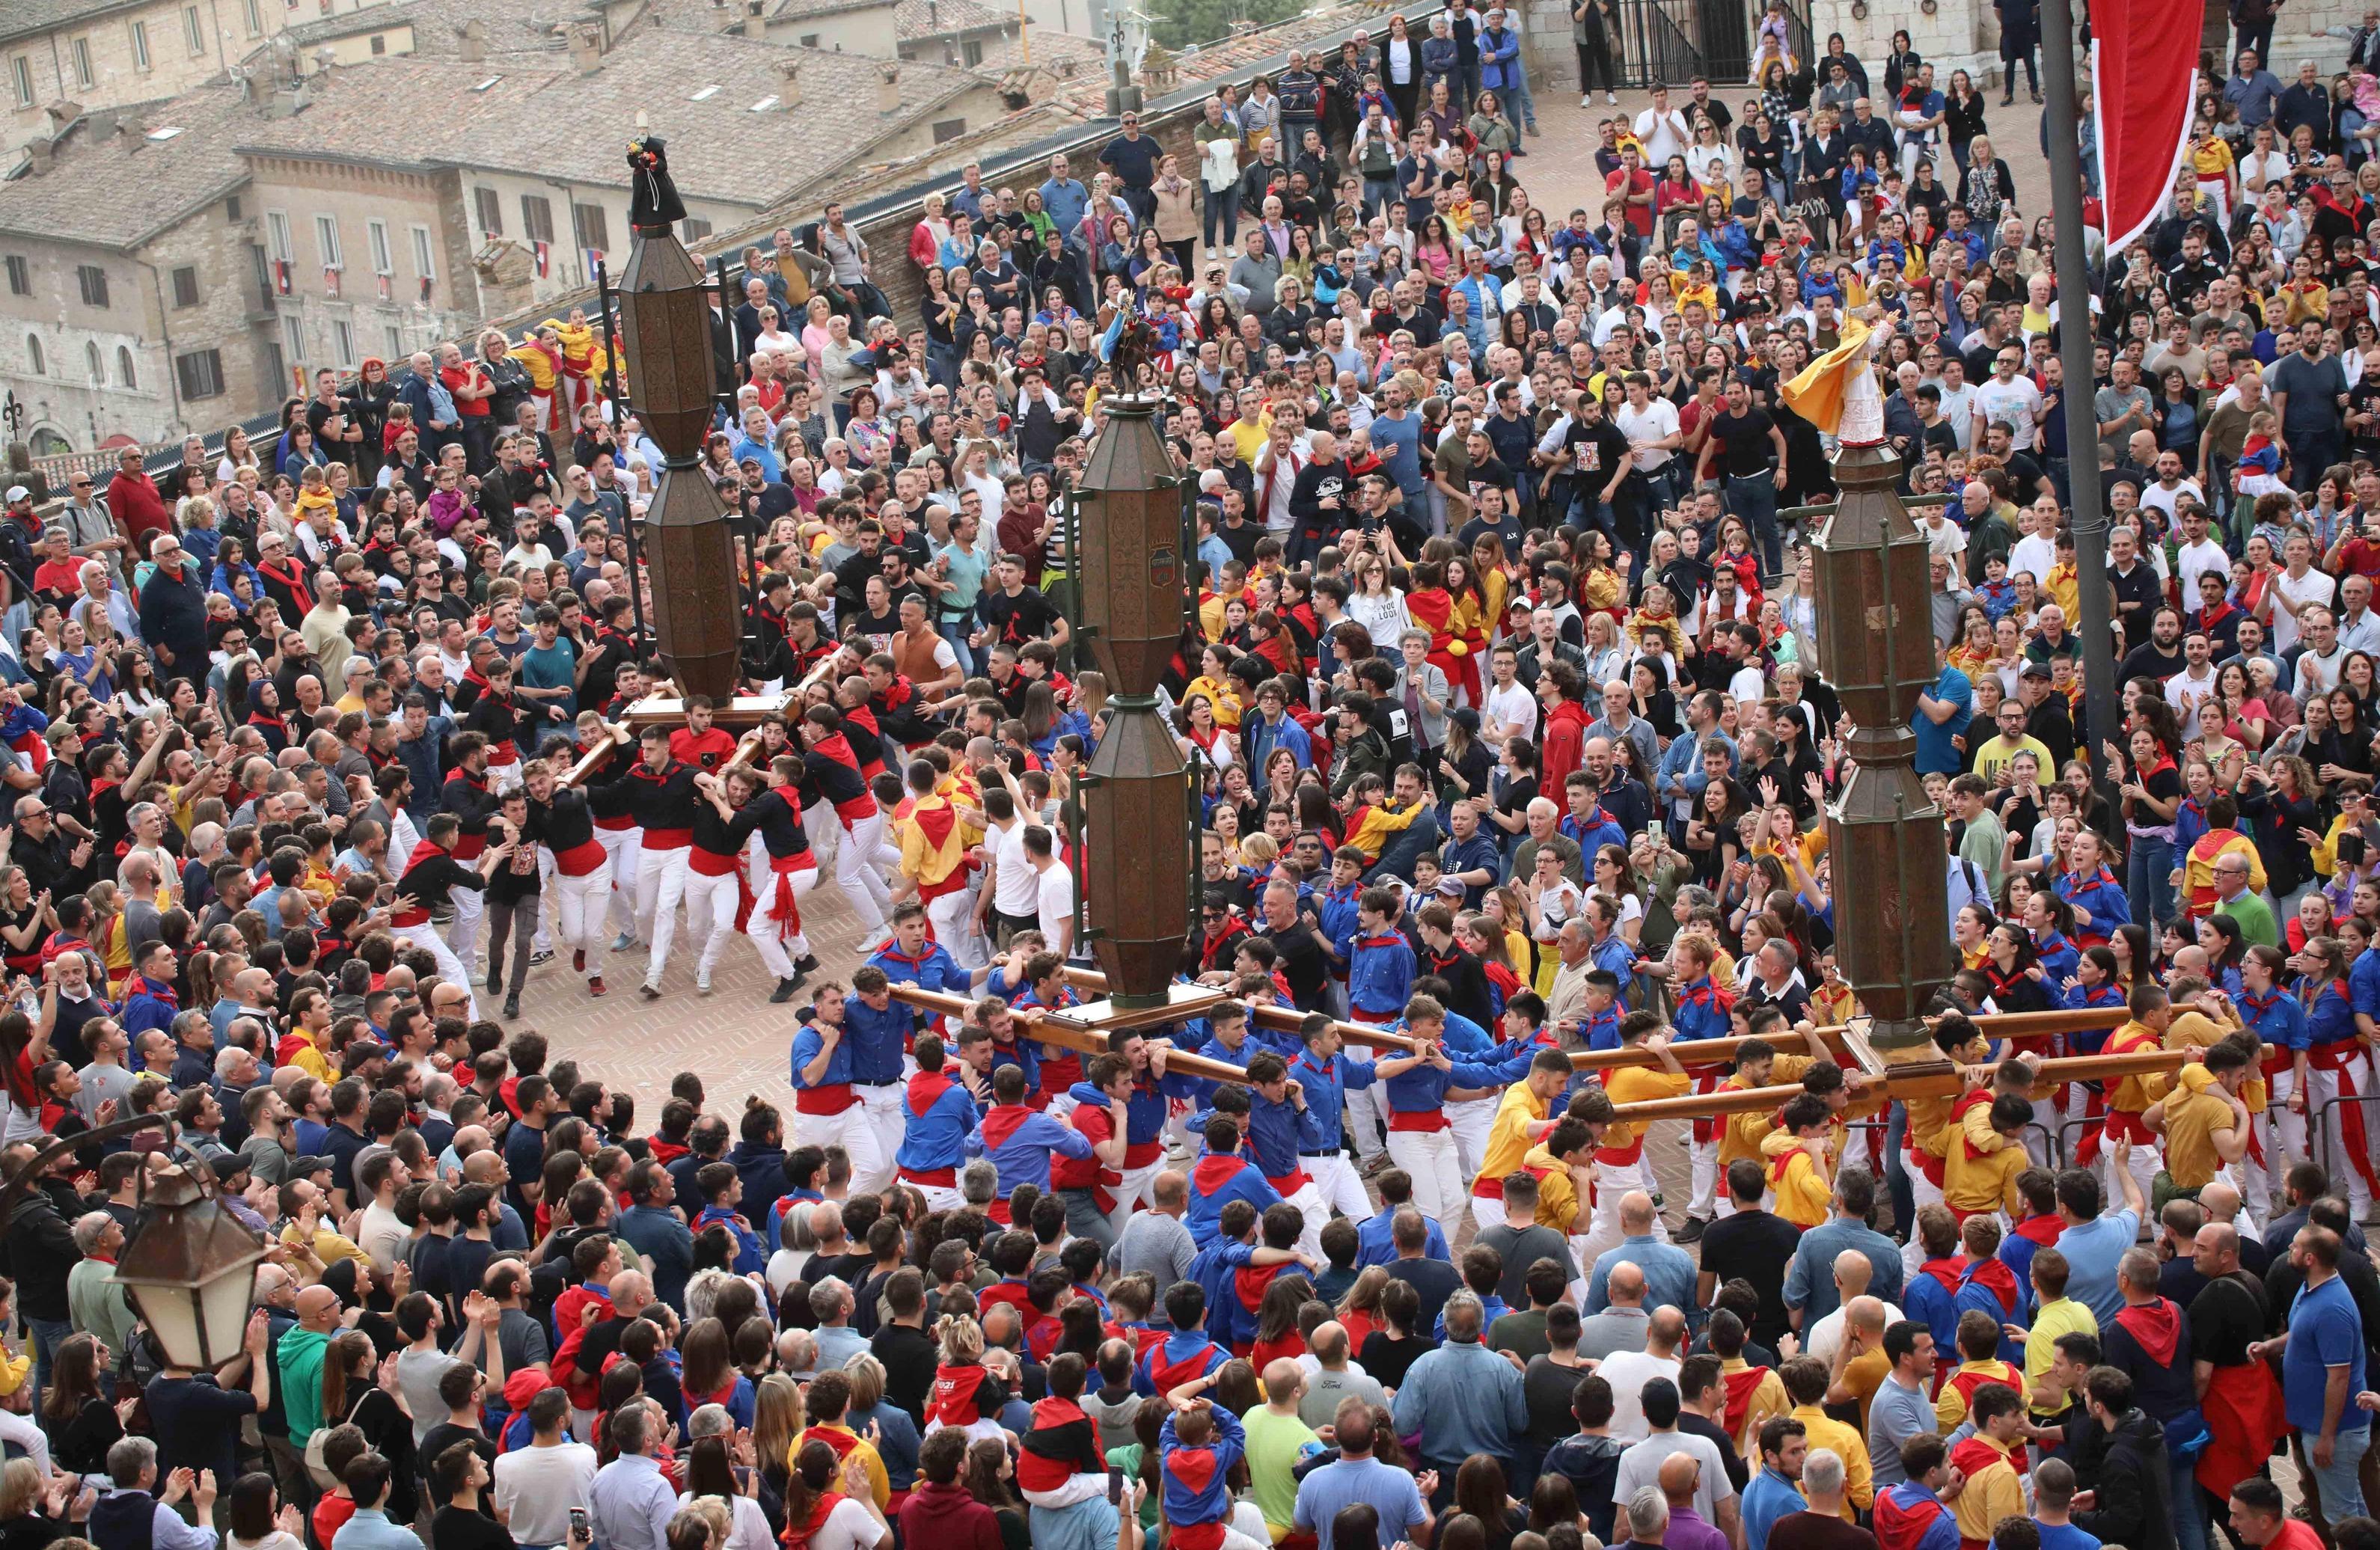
[[1051, 1030], [1287, 1020], [1933, 1079], [1716, 1052]]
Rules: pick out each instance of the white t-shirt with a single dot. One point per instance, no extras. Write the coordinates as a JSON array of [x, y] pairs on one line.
[[1655, 421], [540, 1485], [2017, 401], [1959, 408], [1515, 707], [1828, 1332], [2186, 694], [2293, 594], [2196, 560], [1055, 901], [2156, 497], [1662, 137], [1627, 1370], [2035, 554], [1015, 890], [849, 1526]]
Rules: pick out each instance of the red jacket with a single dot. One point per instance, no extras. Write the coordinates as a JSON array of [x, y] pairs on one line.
[[948, 1518]]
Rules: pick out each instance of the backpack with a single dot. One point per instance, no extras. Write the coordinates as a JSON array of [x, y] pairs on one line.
[[315, 1465]]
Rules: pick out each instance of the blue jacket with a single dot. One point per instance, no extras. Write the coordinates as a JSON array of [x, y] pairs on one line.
[[749, 1255], [1500, 59], [657, 1233], [1440, 57], [1927, 1299], [1196, 1491], [2058, 958], [1216, 1269], [148, 1005], [1183, 1347], [1215, 1181], [2098, 901], [1019, 1142], [940, 1114], [1700, 1013], [1263, 736], [934, 969], [762, 1169]]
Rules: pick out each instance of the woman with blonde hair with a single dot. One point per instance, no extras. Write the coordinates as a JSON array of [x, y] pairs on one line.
[[965, 1394], [777, 1419]]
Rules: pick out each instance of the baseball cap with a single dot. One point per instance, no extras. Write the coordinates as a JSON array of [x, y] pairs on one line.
[[1450, 888], [18, 492], [2033, 670], [301, 1166]]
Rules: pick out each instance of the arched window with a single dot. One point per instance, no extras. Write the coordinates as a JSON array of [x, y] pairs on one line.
[[33, 360], [125, 376], [96, 362]]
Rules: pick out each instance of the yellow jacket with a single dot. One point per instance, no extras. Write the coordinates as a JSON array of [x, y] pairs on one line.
[[1558, 1202], [1992, 1494], [2198, 868], [1768, 1398], [1803, 1189]]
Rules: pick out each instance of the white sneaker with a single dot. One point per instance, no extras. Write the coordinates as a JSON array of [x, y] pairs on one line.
[[1611, 98], [1586, 100]]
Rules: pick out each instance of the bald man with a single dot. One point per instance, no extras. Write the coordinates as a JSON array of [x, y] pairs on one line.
[[1276, 1436], [1679, 1478], [1627, 1370], [1853, 1270], [1622, 1325]]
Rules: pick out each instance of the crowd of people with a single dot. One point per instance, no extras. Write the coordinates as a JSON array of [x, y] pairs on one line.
[[1503, 694]]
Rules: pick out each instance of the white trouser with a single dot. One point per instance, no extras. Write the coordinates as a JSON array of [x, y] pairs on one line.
[[1367, 1121], [1486, 1210], [462, 931], [710, 904], [580, 908], [1923, 1192], [1704, 1169], [888, 1121], [502, 778], [2331, 1150], [1342, 1189], [777, 947], [450, 967], [2144, 1164], [546, 904], [938, 1197], [951, 916], [1470, 1123], [661, 884], [1309, 1203], [1137, 1185], [1611, 1181], [854, 1131], [857, 873], [1429, 1158], [621, 847]]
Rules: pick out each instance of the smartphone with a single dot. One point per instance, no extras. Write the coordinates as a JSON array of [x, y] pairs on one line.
[[1115, 1486], [2351, 849], [579, 1529]]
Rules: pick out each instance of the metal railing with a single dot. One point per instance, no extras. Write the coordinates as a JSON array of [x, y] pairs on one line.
[[1655, 49]]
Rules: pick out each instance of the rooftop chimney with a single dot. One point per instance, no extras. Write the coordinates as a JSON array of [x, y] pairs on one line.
[[587, 47], [888, 89], [62, 113], [789, 84], [755, 18], [473, 44], [39, 153]]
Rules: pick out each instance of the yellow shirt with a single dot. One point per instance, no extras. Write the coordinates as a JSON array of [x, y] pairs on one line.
[[1250, 436], [2134, 1094], [1741, 1138], [1865, 1373], [2065, 1317], [1991, 1493], [877, 1481], [1984, 1182], [313, 1063], [329, 1246], [1824, 1431], [1639, 1085], [1508, 1134], [1950, 1405], [2194, 1029], [2194, 1113], [2062, 587]]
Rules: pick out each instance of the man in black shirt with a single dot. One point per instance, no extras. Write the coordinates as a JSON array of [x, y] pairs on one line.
[[1753, 1245], [1750, 453], [1015, 613], [1300, 952], [1595, 456], [2134, 581], [2159, 656]]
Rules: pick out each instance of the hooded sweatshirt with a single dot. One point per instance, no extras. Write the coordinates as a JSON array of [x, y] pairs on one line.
[[300, 1378]]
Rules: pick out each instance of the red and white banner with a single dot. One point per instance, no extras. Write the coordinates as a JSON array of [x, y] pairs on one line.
[[2144, 66]]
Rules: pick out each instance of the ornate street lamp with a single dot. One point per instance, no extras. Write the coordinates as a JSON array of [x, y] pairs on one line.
[[191, 1268]]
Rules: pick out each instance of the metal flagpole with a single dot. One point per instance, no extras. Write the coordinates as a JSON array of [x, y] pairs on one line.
[[2087, 509]]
